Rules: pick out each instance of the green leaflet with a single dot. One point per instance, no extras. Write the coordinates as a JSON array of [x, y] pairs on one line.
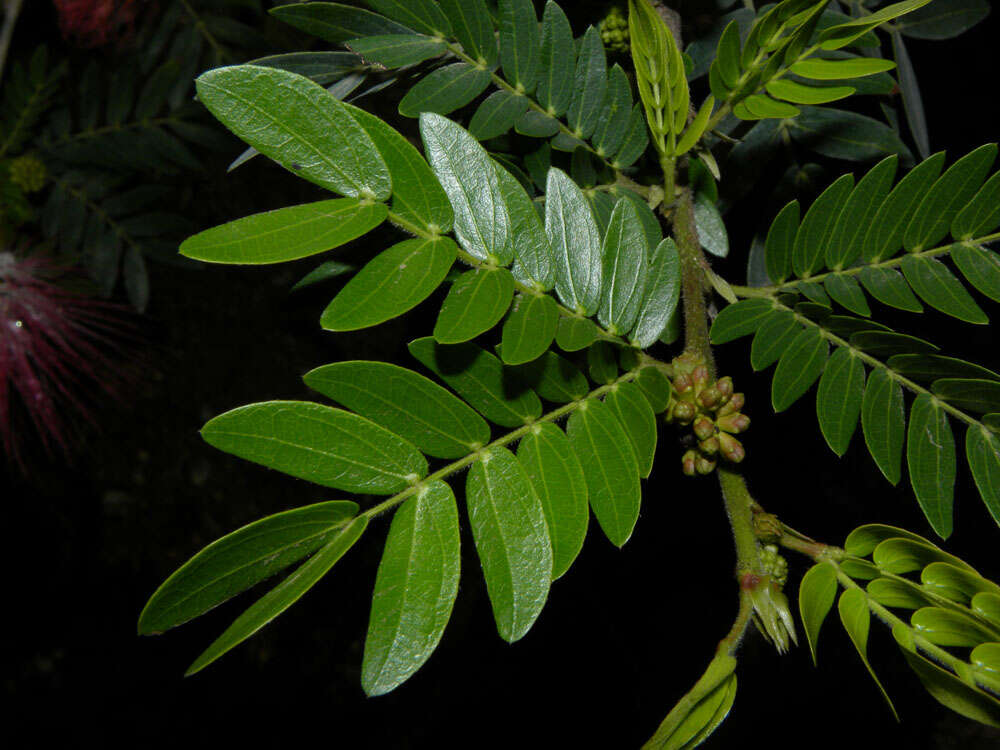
[[987, 605], [241, 559], [554, 378], [589, 85], [773, 338], [945, 687], [404, 402], [555, 473], [466, 172], [947, 197], [938, 287], [800, 93], [417, 196], [780, 241], [838, 399], [889, 287], [846, 292], [864, 539], [393, 282], [904, 554], [530, 328], [520, 44], [885, 236], [818, 227], [422, 15], [798, 368], [843, 34], [397, 50], [636, 416], [298, 124], [948, 627], [944, 19], [536, 125], [930, 367], [576, 333], [558, 61], [576, 242], [473, 28], [475, 303], [497, 114], [954, 583], [512, 539], [968, 394], [711, 228], [981, 267], [817, 591], [853, 610], [986, 657], [635, 141], [818, 298], [759, 107], [624, 261], [847, 242], [740, 319], [282, 596], [832, 70], [982, 450], [612, 117], [898, 592], [533, 257], [336, 23], [650, 224], [285, 233], [479, 378], [415, 589], [656, 387], [887, 343], [602, 362], [687, 725], [883, 422], [981, 215], [320, 444], [444, 90], [841, 134], [610, 466], [663, 282]]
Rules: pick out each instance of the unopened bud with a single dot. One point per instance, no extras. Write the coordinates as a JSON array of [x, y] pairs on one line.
[[684, 412], [734, 423], [704, 465], [709, 397], [704, 428], [732, 449], [710, 446], [725, 386], [682, 383], [700, 376], [735, 404], [689, 463]]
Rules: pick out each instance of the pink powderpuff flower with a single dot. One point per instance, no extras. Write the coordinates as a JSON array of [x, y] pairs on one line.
[[93, 23], [60, 351]]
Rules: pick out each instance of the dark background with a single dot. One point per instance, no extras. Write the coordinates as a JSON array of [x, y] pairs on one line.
[[625, 633]]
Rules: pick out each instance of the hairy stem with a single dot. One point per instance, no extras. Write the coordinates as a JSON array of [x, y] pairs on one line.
[[696, 339]]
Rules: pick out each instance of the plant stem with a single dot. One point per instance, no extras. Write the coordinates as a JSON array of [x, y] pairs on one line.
[[739, 506], [696, 339]]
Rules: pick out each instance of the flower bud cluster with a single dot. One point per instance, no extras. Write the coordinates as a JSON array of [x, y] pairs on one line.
[[614, 30], [712, 410], [774, 564], [28, 173]]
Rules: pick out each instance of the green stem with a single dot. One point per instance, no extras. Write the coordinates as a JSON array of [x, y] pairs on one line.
[[511, 437], [692, 279], [739, 506], [769, 291]]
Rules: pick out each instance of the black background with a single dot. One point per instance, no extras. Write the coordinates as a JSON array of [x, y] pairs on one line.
[[624, 634]]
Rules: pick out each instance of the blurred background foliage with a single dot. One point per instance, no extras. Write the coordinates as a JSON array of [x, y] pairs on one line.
[[107, 162]]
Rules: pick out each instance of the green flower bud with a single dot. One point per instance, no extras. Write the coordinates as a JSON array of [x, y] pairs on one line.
[[731, 448], [689, 463], [735, 404], [709, 397], [704, 428], [700, 376], [28, 173], [734, 423], [710, 446], [725, 387], [704, 465], [684, 412]]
